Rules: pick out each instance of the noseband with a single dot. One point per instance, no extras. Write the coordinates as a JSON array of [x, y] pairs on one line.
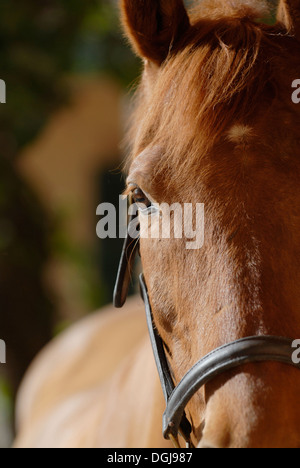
[[227, 357]]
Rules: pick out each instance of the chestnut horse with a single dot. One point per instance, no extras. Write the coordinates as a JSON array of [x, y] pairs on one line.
[[215, 124]]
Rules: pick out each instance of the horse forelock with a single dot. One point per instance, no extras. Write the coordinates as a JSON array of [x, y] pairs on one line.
[[218, 77]]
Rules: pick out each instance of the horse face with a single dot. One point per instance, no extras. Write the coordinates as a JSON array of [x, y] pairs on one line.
[[216, 126]]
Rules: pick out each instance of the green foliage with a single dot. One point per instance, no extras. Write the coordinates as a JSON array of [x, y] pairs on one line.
[[101, 46], [6, 412], [35, 38], [42, 41]]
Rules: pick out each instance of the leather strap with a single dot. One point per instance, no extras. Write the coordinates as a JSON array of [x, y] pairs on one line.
[[230, 356], [126, 266], [157, 346], [161, 361]]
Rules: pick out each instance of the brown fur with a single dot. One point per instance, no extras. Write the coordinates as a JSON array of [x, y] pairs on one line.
[[228, 70], [154, 27], [289, 15]]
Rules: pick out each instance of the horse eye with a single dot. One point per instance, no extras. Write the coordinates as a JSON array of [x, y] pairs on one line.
[[140, 198]]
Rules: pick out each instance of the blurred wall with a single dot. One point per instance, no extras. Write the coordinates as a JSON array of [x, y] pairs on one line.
[[64, 166]]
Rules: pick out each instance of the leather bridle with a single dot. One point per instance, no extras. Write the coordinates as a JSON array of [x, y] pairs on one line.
[[230, 356]]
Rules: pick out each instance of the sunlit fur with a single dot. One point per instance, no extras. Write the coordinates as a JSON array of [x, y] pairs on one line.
[[216, 76]]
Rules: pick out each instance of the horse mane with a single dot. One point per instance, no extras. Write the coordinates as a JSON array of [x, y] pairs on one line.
[[217, 77]]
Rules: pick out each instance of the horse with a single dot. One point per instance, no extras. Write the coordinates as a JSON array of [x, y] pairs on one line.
[[215, 124]]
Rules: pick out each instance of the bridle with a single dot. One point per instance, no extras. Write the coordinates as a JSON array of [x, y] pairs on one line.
[[232, 355]]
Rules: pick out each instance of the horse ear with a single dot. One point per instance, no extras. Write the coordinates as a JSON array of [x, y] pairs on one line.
[[289, 15], [154, 26]]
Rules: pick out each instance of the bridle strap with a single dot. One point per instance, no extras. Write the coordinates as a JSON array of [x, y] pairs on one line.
[[230, 356], [162, 365], [157, 346], [126, 265], [130, 248]]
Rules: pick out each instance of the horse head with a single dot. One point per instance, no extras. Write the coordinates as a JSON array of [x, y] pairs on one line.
[[215, 124]]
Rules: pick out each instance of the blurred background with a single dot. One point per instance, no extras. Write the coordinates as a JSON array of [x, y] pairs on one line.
[[69, 74]]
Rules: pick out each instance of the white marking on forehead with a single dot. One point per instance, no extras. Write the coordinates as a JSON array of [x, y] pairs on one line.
[[239, 133]]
